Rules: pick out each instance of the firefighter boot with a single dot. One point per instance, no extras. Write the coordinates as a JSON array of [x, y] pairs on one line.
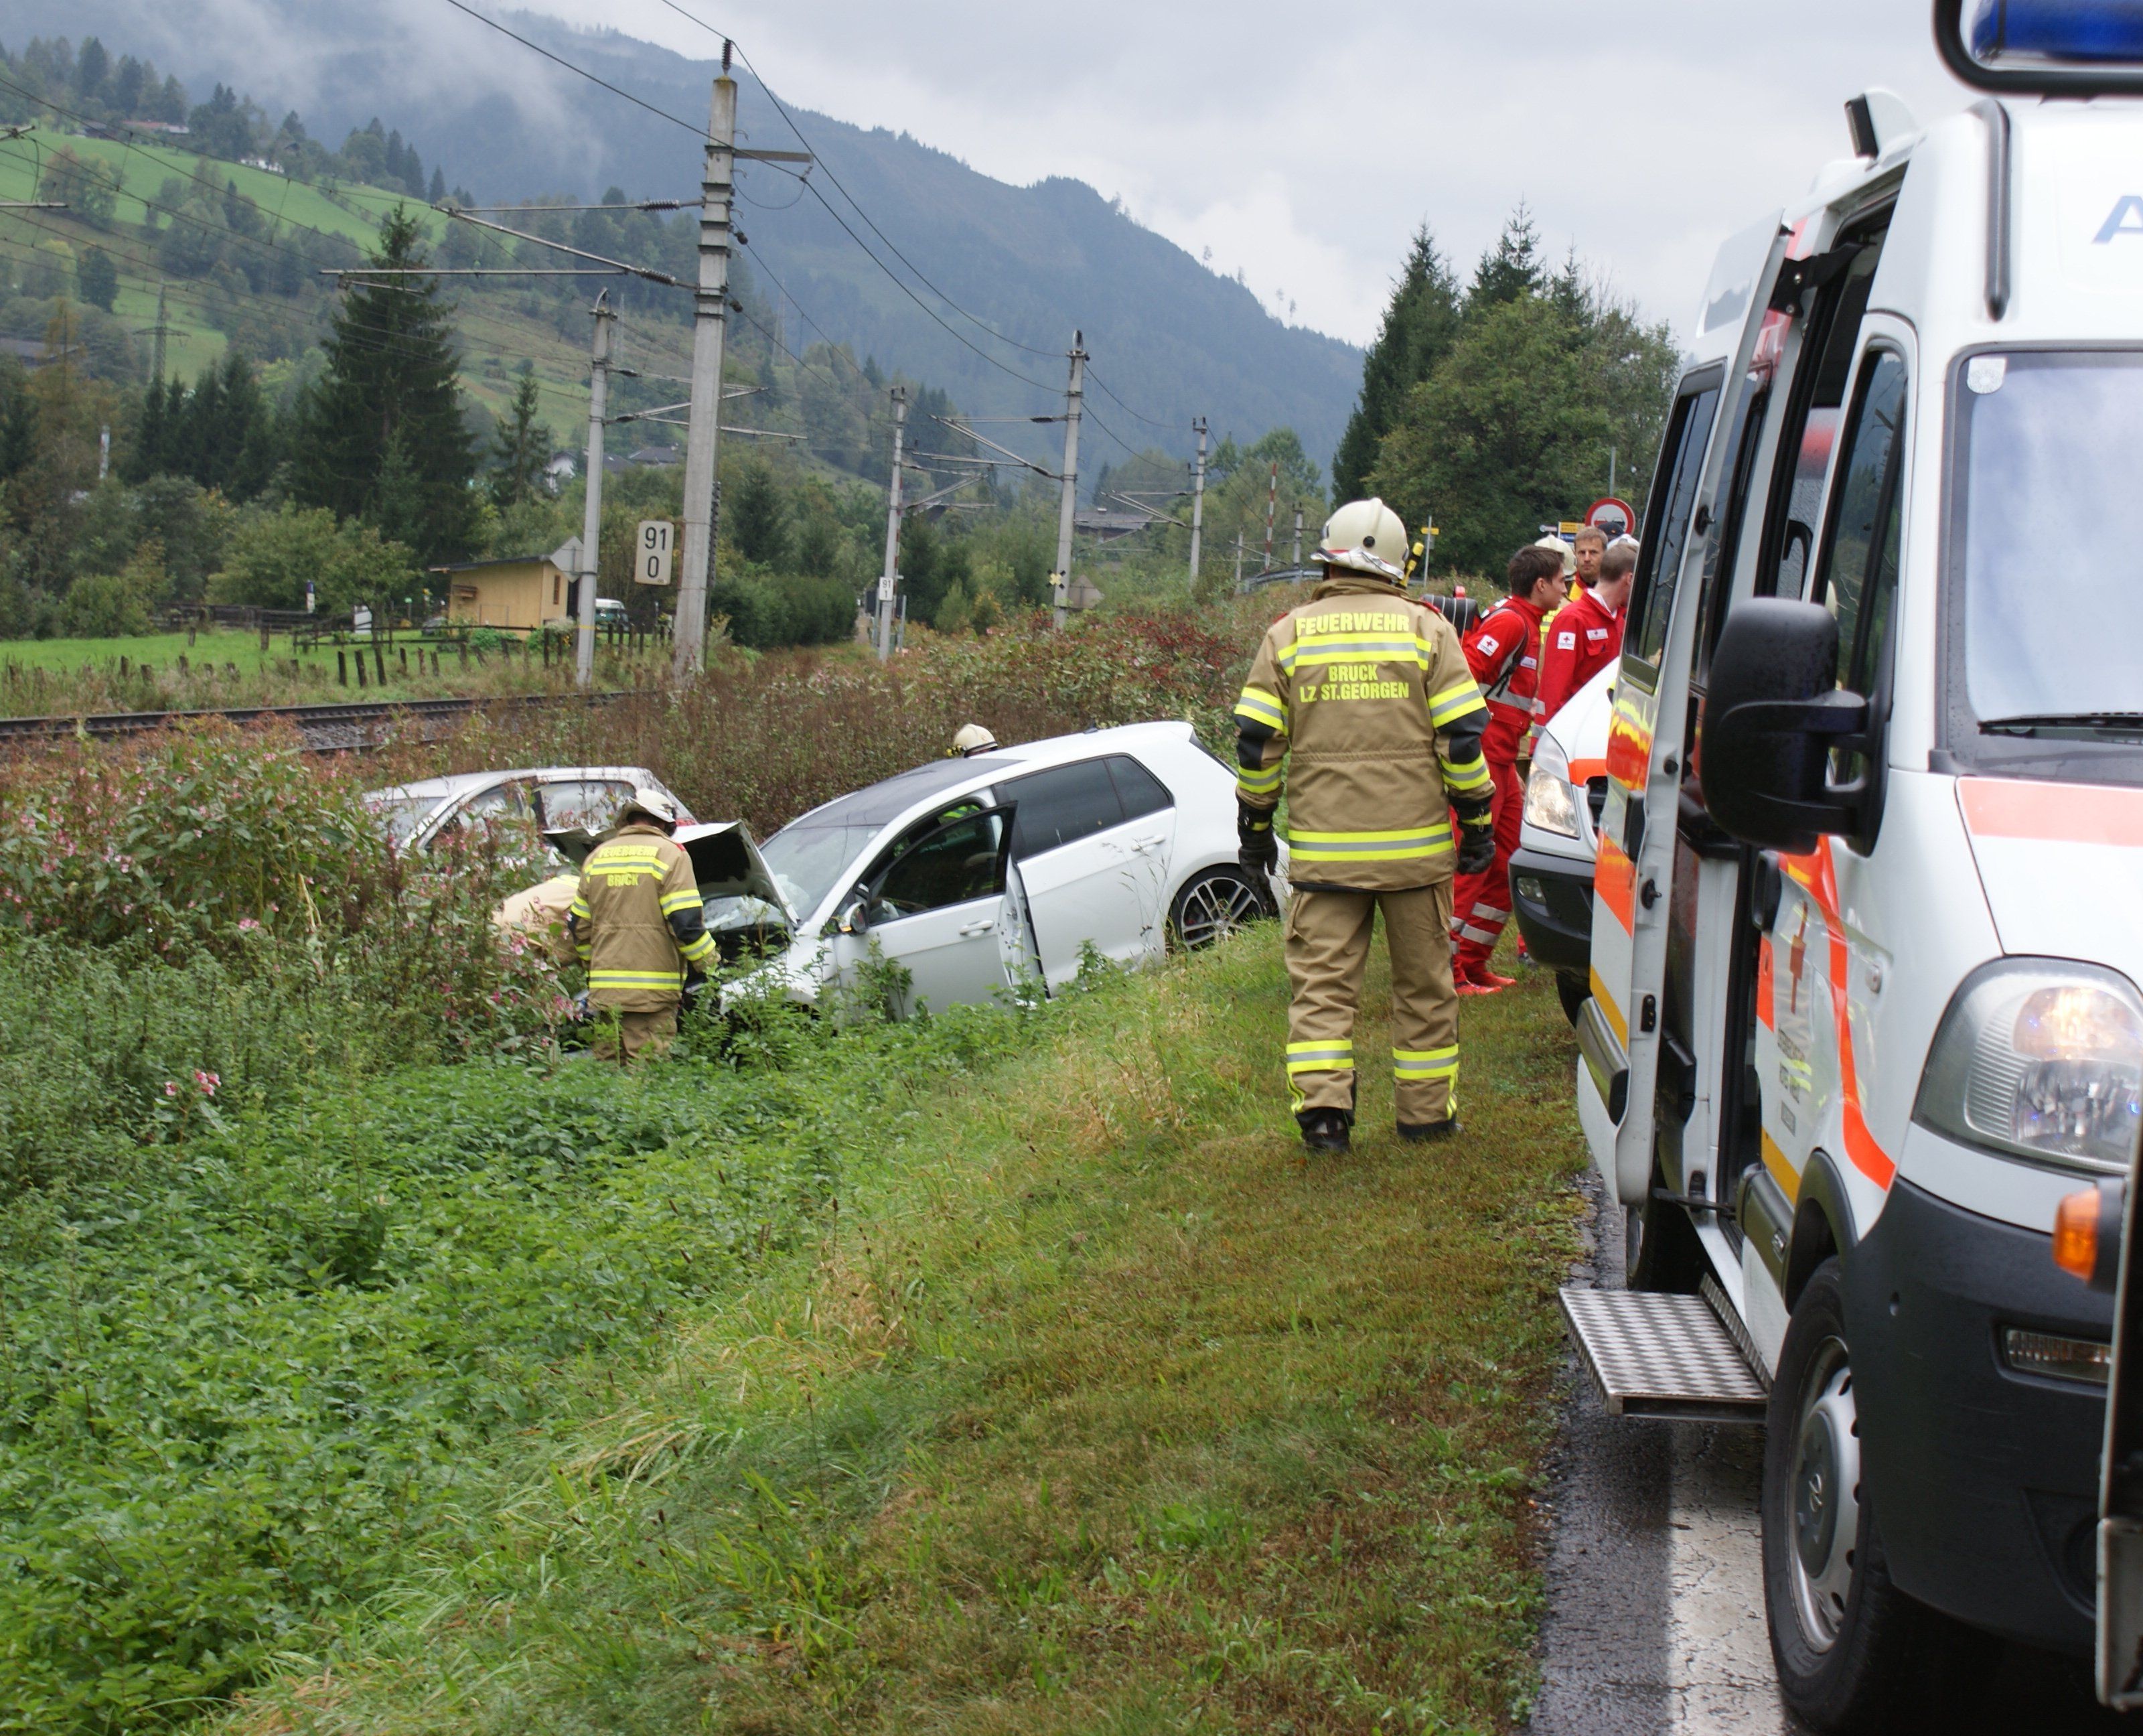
[[1325, 1130], [1425, 1133]]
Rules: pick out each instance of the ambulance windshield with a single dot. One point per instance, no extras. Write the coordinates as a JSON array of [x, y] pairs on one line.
[[2053, 583]]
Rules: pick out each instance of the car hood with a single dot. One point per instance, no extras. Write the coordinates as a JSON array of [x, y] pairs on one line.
[[725, 861], [2060, 867], [1579, 728]]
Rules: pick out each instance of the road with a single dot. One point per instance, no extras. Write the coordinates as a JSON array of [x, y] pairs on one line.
[[1654, 1619]]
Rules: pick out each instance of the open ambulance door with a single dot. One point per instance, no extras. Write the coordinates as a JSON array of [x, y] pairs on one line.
[[1619, 1029]]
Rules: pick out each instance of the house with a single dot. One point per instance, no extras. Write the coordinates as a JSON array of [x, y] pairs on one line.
[[520, 595]]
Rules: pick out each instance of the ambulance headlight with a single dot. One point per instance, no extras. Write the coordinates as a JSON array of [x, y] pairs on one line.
[[1551, 804], [2040, 1059]]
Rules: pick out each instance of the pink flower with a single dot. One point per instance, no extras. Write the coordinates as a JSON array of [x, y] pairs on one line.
[[207, 1081], [171, 1087], [247, 925]]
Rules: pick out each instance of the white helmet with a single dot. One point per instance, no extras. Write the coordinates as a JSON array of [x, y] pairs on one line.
[[1365, 536], [973, 739], [647, 802], [1556, 545]]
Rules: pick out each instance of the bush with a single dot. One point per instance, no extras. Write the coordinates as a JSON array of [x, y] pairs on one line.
[[272, 554], [105, 605], [766, 613]]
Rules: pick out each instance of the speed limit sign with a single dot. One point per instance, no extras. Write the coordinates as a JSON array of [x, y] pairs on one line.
[[650, 564]]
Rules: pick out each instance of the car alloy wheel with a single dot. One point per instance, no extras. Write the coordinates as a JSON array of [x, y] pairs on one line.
[[1215, 905]]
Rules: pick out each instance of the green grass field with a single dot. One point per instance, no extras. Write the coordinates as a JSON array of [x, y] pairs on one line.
[[158, 649]]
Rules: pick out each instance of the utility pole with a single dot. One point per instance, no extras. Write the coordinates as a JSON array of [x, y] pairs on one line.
[[1197, 498], [885, 582], [1238, 560], [710, 327], [584, 648], [1272, 504], [1298, 533], [1072, 395]]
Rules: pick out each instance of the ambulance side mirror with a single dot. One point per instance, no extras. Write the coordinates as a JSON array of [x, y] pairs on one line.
[[1773, 717]]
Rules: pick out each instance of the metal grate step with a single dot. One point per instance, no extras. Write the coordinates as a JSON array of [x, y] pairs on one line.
[[1652, 1354]]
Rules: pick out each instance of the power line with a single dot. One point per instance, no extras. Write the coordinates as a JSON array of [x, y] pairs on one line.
[[697, 132], [1151, 422]]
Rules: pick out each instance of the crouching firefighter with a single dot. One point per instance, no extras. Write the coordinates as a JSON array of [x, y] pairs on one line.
[[638, 926], [1361, 707]]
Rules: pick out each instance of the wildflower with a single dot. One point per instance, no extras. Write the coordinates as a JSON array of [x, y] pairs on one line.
[[207, 1081], [247, 925], [171, 1087]]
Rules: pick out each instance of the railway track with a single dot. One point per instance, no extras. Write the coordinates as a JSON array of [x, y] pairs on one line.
[[326, 729]]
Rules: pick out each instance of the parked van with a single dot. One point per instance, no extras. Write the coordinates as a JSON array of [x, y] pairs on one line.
[[1868, 914]]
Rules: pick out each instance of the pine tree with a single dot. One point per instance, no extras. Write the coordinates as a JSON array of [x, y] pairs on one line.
[[758, 517], [144, 457], [97, 279], [391, 376], [520, 448], [1510, 269], [1420, 326], [438, 190]]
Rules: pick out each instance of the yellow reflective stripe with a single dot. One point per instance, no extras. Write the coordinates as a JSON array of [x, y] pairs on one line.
[[1455, 701], [1369, 846], [1261, 707], [1425, 1063], [698, 950], [1332, 1055], [580, 908], [1442, 829], [1468, 776], [1355, 648], [634, 979], [1260, 782], [672, 903]]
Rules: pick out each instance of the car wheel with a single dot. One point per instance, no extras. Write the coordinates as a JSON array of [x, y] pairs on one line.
[[1213, 905], [1853, 1652]]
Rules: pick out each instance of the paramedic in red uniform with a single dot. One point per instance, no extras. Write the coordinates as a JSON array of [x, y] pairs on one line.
[[1586, 635], [1504, 655]]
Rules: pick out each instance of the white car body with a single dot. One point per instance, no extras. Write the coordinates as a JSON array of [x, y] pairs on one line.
[[1073, 873], [1551, 869], [556, 799], [1793, 1057]]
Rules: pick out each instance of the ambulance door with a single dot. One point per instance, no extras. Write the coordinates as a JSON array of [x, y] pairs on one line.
[[1620, 1028]]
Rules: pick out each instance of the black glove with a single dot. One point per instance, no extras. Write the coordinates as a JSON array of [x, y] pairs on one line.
[[1257, 846], [1477, 843]]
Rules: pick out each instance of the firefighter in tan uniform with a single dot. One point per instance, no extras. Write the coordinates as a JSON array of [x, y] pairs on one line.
[[1363, 697], [638, 926]]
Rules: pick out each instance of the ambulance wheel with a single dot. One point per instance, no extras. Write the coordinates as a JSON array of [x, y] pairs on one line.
[[1853, 1652], [1214, 905]]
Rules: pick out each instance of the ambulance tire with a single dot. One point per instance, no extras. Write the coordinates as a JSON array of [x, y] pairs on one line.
[[1660, 1247], [1853, 1652]]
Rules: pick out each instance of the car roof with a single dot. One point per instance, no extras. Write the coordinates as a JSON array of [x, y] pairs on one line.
[[460, 783]]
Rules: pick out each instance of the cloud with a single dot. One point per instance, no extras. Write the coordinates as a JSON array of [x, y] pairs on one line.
[[1304, 146]]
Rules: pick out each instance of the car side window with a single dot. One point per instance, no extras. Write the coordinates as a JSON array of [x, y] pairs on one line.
[[1140, 791], [1666, 527], [1859, 584], [1061, 806], [589, 802], [955, 862]]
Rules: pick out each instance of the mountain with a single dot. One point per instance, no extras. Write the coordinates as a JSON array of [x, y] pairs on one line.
[[1034, 263]]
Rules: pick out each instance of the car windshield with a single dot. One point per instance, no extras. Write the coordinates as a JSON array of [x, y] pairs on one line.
[[808, 858], [402, 815], [2053, 463]]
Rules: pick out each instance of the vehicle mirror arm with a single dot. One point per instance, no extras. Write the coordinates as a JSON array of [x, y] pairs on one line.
[[1841, 715]]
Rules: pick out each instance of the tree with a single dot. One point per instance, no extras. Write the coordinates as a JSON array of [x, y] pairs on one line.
[[97, 279], [1512, 268], [1420, 327], [390, 383], [272, 554], [90, 66], [89, 190], [758, 516], [1502, 437], [520, 448]]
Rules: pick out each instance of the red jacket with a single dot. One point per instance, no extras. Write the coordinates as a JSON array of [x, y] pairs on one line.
[[1583, 638], [1504, 655]]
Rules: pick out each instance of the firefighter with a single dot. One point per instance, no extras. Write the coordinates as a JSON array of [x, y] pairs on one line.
[[637, 926], [1587, 636], [972, 739], [1362, 697], [1503, 653]]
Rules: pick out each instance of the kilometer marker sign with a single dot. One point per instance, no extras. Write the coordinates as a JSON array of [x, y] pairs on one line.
[[651, 560]]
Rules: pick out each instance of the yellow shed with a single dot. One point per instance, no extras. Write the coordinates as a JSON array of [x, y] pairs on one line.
[[515, 596]]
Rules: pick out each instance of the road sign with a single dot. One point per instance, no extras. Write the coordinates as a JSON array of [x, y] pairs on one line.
[[1616, 518], [650, 564], [884, 588]]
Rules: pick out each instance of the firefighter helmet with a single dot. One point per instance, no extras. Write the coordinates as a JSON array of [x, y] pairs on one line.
[[646, 803], [973, 739], [1556, 545], [1365, 536]]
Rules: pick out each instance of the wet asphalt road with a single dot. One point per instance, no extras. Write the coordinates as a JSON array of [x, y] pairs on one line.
[[1654, 1619]]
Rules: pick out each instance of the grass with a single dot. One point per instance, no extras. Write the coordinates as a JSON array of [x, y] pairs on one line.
[[1091, 1406], [69, 677]]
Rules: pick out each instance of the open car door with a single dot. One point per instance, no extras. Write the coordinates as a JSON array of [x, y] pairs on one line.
[[1620, 1027]]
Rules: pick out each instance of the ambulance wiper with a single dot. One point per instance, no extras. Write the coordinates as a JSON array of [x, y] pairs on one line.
[[2081, 723]]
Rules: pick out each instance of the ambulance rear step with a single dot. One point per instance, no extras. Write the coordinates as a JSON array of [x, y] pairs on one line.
[[1652, 1354]]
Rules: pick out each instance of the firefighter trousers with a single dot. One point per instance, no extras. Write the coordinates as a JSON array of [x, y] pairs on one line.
[[1327, 948], [1483, 901], [635, 1036]]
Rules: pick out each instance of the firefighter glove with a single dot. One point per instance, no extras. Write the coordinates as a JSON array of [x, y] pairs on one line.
[[1257, 845], [1477, 841]]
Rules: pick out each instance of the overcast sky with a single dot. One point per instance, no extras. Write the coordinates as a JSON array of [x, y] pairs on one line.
[[1303, 144]]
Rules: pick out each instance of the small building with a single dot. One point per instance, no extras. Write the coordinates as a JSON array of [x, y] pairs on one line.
[[520, 595]]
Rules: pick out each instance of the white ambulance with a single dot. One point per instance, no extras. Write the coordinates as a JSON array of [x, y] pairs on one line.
[[1868, 916]]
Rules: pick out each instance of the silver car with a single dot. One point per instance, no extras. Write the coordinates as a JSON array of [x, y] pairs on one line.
[[553, 798]]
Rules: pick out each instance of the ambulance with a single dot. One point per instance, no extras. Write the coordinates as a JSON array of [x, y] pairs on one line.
[[1866, 926]]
